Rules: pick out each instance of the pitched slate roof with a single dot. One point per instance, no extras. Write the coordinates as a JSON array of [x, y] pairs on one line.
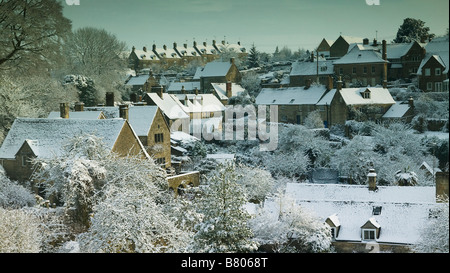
[[290, 95], [145, 55], [168, 106], [404, 209], [177, 86], [398, 110], [310, 68], [79, 115], [352, 96], [438, 48], [356, 56], [213, 69], [137, 80], [48, 136]]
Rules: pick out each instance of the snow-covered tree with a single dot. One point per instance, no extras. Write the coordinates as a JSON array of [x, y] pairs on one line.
[[253, 57], [282, 226], [258, 183], [435, 234], [13, 195], [313, 120], [19, 232], [129, 216], [224, 227], [413, 30]]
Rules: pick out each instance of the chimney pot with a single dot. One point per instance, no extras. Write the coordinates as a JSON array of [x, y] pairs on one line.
[[339, 84], [411, 102], [365, 41]]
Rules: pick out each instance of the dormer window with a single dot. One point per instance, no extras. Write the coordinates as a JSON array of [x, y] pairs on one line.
[[333, 222], [370, 231], [366, 94]]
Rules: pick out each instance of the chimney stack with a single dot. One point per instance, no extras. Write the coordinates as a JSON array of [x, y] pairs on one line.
[[158, 89], [196, 91], [144, 48], [109, 98], [232, 60], [79, 107], [174, 45], [64, 110], [183, 91], [330, 83], [365, 41], [153, 47], [441, 186], [385, 64], [308, 83], [123, 111], [339, 84], [375, 42], [228, 89], [165, 47], [411, 102], [372, 180]]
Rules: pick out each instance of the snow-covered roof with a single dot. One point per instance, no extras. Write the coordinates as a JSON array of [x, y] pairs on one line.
[[352, 39], [221, 88], [48, 136], [290, 95], [231, 47], [167, 53], [213, 69], [307, 68], [438, 48], [353, 96], [137, 80], [180, 136], [108, 111], [188, 86], [356, 56], [327, 98], [403, 209], [168, 106], [201, 103], [145, 55], [141, 118], [206, 49], [396, 51], [398, 110], [79, 115], [187, 51]]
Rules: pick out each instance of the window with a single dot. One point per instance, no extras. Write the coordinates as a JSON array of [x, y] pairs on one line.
[[427, 72], [368, 234], [429, 86], [373, 69], [341, 71], [438, 86], [161, 161], [366, 94], [437, 71], [24, 160], [333, 233], [365, 69], [354, 70], [376, 210], [159, 138]]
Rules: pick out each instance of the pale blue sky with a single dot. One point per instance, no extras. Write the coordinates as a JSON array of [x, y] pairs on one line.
[[266, 23]]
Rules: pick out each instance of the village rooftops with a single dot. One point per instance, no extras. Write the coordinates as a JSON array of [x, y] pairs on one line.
[[168, 105], [79, 115], [308, 68], [221, 90], [48, 136], [291, 95]]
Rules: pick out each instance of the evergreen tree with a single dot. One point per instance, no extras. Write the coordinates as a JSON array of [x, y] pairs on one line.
[[224, 227], [253, 57], [413, 30]]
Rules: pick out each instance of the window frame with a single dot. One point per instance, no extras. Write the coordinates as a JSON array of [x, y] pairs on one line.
[[370, 231]]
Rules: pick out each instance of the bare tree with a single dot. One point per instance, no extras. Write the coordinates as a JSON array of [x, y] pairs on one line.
[[31, 33]]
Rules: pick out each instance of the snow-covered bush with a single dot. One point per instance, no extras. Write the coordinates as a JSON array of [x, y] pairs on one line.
[[19, 232], [282, 226], [257, 182], [13, 195], [224, 227], [435, 234], [313, 120]]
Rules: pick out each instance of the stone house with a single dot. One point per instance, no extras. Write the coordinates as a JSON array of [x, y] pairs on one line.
[[433, 70], [377, 219], [404, 60], [169, 57], [217, 72], [400, 111], [341, 46], [140, 59], [316, 69], [43, 138], [362, 66], [324, 48], [366, 103], [294, 103], [207, 52]]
